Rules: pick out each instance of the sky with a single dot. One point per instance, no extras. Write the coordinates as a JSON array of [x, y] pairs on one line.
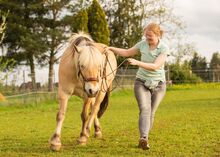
[[202, 19]]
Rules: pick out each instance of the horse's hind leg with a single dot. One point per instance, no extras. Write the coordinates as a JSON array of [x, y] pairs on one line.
[[55, 141]]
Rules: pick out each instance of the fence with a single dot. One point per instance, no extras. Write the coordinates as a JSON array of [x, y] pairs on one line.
[[24, 93], [207, 75], [29, 98], [13, 84]]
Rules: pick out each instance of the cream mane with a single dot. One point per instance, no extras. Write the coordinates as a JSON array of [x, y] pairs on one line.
[[90, 57]]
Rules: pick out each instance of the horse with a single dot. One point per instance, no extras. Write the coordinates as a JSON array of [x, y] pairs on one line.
[[86, 70]]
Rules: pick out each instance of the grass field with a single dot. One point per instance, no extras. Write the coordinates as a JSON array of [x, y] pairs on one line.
[[187, 124]]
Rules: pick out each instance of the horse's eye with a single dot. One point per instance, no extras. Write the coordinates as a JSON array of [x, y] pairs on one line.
[[82, 66]]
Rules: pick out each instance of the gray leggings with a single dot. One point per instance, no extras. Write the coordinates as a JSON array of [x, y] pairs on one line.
[[148, 101]]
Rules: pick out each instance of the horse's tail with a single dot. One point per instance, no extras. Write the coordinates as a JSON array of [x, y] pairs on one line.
[[104, 103]]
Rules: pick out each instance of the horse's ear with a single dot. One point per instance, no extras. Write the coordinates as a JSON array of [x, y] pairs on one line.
[[76, 48]]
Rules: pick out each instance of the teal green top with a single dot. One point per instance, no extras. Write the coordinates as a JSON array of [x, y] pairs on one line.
[[148, 56]]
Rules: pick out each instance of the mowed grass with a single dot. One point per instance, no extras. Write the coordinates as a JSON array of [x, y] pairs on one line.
[[187, 123]]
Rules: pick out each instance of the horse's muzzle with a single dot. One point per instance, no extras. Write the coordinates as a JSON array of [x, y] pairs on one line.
[[91, 94], [91, 90]]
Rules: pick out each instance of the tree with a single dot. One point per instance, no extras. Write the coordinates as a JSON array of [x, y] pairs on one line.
[[198, 62], [124, 22], [78, 22], [182, 73], [199, 66], [3, 17], [22, 34], [215, 66], [54, 30], [127, 18], [77, 16], [97, 24], [184, 52], [5, 63], [14, 25]]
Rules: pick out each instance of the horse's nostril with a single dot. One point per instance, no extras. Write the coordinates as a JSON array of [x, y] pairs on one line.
[[90, 91]]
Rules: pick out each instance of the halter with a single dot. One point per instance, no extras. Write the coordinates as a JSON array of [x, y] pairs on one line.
[[89, 79]]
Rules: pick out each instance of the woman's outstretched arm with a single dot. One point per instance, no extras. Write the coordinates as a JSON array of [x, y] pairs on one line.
[[124, 52]]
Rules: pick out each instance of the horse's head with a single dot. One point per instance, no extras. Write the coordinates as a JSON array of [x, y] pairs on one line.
[[90, 63]]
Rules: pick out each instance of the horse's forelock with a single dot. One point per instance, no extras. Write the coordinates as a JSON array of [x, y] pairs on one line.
[[90, 56]]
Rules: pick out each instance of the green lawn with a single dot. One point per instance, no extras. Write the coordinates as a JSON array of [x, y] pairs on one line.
[[187, 124]]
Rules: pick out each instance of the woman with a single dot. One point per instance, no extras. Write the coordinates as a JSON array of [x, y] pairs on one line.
[[150, 85]]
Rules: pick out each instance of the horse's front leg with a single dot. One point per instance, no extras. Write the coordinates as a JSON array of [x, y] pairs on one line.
[[55, 141], [97, 127], [84, 116], [93, 115]]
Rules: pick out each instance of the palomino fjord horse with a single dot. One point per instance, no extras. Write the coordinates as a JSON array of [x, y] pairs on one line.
[[86, 70]]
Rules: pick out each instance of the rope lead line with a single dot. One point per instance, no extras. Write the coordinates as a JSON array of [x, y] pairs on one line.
[[112, 72]]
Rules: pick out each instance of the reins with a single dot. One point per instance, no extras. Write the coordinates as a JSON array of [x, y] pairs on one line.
[[112, 72]]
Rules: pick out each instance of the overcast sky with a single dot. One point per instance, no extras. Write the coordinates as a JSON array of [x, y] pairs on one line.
[[202, 18]]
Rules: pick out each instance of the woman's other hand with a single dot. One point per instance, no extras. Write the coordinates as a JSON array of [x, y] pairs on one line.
[[133, 61]]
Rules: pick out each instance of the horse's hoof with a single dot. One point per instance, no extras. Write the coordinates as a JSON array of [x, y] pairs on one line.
[[55, 143], [55, 147], [82, 140], [82, 143], [98, 134]]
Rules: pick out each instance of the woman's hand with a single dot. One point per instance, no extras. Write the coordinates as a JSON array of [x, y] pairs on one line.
[[160, 60], [133, 61], [107, 48]]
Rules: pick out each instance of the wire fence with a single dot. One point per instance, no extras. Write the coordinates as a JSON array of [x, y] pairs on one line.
[[29, 98], [13, 84], [22, 91]]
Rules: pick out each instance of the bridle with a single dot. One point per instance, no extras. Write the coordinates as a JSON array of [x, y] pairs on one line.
[[102, 76], [89, 79]]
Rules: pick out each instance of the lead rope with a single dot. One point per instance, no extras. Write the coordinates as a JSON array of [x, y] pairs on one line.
[[123, 75], [112, 72]]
